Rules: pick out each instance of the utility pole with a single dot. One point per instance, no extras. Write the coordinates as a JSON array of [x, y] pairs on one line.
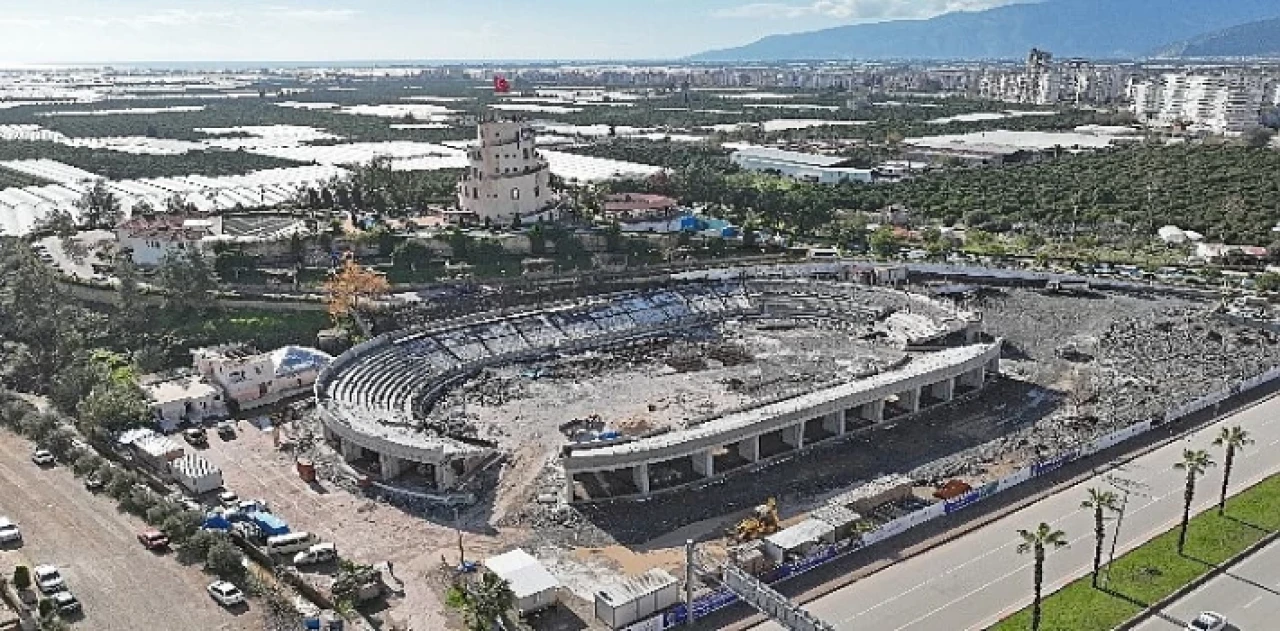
[[688, 582], [1126, 487]]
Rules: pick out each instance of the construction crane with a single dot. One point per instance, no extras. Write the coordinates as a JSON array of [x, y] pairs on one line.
[[762, 522]]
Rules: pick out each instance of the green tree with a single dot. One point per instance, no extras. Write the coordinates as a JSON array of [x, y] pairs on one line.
[[1100, 502], [1194, 463], [189, 281], [114, 406], [884, 242], [1267, 281], [22, 577], [225, 561], [1233, 439], [483, 601], [99, 207], [1035, 542], [198, 545]]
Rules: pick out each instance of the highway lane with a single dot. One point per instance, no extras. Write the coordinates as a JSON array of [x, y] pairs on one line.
[[1247, 594], [972, 582]]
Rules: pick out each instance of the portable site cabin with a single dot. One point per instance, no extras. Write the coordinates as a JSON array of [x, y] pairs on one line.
[[197, 475], [636, 598], [156, 451], [535, 588]]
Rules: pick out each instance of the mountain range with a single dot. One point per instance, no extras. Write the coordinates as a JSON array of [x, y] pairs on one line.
[[1255, 39], [1098, 29]]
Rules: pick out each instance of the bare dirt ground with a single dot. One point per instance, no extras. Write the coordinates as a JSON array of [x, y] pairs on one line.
[[122, 586], [366, 531]]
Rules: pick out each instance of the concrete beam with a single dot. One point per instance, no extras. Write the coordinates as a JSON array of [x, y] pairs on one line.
[[749, 448], [445, 477], [640, 475], [704, 463]]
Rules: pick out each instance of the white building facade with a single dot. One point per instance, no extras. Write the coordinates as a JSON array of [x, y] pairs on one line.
[[806, 167], [150, 239], [507, 176], [252, 379], [1225, 103]]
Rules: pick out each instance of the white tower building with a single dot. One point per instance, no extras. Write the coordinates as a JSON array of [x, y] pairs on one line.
[[507, 176]]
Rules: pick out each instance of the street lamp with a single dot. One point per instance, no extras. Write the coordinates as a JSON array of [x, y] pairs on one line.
[[1126, 487]]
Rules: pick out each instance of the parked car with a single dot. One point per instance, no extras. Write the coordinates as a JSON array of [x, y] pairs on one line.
[[1208, 621], [94, 482], [49, 579], [9, 532], [229, 499], [253, 506], [42, 457], [66, 602], [226, 431], [153, 539], [196, 436], [225, 593], [319, 553]]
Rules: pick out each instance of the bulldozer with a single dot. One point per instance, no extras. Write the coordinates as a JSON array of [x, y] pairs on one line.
[[762, 522]]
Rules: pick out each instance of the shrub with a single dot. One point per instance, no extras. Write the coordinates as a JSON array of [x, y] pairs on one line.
[[47, 608], [22, 577], [60, 440], [38, 426], [87, 463], [160, 512], [138, 501], [121, 484], [182, 525]]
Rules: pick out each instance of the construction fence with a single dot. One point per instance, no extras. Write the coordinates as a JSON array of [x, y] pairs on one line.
[[723, 596]]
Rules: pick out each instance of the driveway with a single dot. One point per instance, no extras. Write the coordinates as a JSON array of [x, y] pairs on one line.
[[122, 586]]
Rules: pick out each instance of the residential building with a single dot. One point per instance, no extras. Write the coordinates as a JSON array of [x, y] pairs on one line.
[[149, 239], [806, 167], [639, 207], [507, 175], [252, 379], [182, 397]]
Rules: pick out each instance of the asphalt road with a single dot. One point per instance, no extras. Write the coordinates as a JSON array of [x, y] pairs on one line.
[[1247, 594], [972, 582], [122, 586]]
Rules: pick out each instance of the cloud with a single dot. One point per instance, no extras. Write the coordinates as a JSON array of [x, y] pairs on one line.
[[311, 15], [858, 10], [183, 17]]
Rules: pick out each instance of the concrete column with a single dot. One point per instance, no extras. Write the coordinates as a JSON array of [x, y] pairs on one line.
[[794, 435], [909, 400], [915, 400], [944, 389], [993, 366], [749, 448], [640, 475], [445, 477], [873, 411], [704, 463], [391, 466], [351, 452], [833, 422], [568, 484], [972, 379]]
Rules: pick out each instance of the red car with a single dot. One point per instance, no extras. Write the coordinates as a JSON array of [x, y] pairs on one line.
[[153, 540]]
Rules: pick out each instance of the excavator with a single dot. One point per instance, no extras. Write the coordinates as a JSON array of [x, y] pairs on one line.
[[762, 522]]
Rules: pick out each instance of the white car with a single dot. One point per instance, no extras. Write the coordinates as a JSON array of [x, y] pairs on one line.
[[229, 499], [9, 532], [1208, 621], [319, 553], [66, 603], [42, 457], [225, 593], [49, 579]]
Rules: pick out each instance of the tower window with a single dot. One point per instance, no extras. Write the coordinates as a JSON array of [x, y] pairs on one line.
[[515, 193]]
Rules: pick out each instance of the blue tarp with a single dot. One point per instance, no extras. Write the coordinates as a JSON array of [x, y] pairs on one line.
[[216, 522], [270, 524]]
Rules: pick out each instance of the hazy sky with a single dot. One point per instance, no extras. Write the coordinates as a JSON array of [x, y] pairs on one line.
[[62, 31]]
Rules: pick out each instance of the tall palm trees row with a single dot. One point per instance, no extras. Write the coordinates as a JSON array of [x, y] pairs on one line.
[[1194, 462]]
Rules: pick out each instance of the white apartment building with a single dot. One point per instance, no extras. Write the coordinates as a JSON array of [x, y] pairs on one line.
[[507, 176], [1225, 104], [252, 379]]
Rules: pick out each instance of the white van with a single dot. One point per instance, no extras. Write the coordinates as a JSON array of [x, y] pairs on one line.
[[290, 543], [319, 553]]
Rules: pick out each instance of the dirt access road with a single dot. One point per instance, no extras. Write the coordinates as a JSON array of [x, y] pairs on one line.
[[123, 587]]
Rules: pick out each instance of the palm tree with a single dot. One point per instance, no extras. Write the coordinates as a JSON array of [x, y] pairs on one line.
[[483, 601], [1044, 536], [1195, 462], [1100, 502], [1233, 438]]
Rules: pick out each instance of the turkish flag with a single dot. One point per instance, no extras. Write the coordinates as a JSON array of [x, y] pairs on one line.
[[501, 85]]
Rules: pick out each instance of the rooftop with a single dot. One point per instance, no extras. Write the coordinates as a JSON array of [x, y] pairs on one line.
[[793, 157], [633, 587], [525, 574], [807, 531], [176, 388]]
